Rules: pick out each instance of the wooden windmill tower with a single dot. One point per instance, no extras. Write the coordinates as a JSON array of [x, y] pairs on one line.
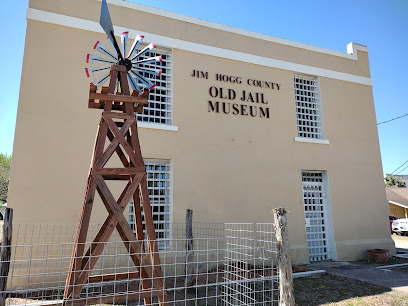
[[118, 125]]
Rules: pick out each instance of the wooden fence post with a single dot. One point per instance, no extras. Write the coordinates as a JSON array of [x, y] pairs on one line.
[[287, 297], [189, 248], [5, 254]]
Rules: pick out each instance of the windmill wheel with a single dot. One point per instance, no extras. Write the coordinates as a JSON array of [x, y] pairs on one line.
[[136, 63]]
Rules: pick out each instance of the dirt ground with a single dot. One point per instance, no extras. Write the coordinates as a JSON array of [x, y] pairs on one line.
[[400, 241], [335, 290]]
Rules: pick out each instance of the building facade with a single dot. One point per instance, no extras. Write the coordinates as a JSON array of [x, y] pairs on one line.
[[239, 123]]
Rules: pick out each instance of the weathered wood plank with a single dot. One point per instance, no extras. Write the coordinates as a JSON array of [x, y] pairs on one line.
[[189, 268]]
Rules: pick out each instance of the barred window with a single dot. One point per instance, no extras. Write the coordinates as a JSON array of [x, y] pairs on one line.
[[158, 184], [159, 107], [308, 109]]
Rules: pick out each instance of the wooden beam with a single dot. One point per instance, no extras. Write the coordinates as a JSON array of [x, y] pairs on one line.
[[114, 277], [119, 171], [117, 98], [123, 116], [101, 105]]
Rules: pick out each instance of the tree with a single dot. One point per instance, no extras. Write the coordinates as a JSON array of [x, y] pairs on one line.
[[5, 164], [394, 181]]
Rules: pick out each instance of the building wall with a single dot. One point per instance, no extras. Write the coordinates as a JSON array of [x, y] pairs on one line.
[[227, 168], [398, 211]]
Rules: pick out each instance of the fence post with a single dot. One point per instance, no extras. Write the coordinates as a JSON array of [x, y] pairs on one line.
[[5, 254], [189, 248], [287, 297]]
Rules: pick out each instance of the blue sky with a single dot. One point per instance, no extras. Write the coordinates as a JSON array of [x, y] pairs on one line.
[[380, 25]]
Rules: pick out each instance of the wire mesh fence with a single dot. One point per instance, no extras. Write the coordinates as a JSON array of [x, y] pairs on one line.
[[230, 264]]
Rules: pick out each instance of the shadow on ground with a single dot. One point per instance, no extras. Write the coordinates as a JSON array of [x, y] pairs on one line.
[[326, 289]]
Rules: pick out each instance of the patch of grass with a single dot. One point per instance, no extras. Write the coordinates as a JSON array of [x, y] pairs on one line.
[[335, 290]]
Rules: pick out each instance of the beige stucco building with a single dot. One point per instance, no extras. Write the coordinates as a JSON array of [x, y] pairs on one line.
[[240, 123]]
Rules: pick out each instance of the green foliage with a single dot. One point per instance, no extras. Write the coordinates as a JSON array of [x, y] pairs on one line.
[[394, 181], [5, 164]]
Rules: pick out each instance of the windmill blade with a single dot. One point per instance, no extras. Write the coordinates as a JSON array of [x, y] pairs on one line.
[[111, 44], [106, 24], [136, 43], [142, 79], [90, 58], [101, 48], [93, 70], [149, 60], [123, 40], [146, 49], [133, 82], [156, 72], [101, 80]]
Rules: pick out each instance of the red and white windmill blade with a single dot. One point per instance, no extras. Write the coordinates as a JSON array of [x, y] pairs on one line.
[[138, 67]]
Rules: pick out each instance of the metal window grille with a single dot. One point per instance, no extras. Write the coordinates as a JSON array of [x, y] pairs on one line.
[[315, 215], [308, 111], [159, 108], [158, 184]]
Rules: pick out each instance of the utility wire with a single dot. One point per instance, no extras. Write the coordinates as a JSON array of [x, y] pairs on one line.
[[392, 119], [398, 168], [401, 170]]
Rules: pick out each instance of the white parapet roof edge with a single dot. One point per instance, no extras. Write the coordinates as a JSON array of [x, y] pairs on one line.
[[88, 25], [351, 54]]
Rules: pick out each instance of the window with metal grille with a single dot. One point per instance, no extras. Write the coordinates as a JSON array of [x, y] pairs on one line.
[[159, 107], [308, 108], [314, 202], [159, 186]]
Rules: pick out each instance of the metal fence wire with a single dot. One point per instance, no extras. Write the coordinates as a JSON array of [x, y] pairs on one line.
[[230, 264]]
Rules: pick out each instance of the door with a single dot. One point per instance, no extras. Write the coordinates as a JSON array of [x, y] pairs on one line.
[[316, 213]]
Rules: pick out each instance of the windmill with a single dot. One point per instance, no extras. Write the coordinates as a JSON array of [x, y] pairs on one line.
[[118, 125]]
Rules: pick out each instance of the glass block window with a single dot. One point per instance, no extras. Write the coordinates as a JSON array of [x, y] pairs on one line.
[[159, 186], [160, 99], [314, 203], [308, 110]]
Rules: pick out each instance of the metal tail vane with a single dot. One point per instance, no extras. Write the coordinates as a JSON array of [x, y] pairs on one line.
[[138, 66]]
